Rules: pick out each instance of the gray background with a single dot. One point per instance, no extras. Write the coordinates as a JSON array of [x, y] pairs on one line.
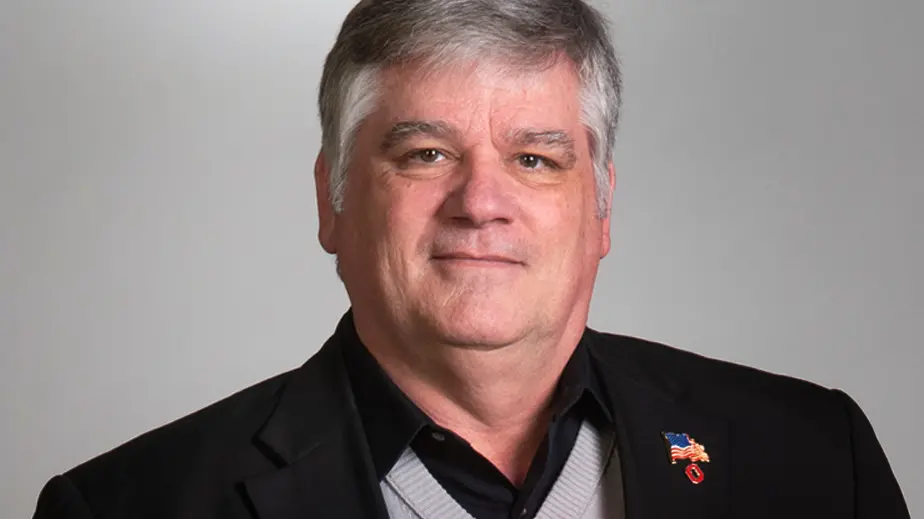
[[157, 218]]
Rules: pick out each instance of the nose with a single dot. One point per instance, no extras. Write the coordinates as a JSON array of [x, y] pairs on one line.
[[481, 193]]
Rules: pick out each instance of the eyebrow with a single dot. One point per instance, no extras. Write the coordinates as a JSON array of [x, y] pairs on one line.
[[404, 130], [559, 139]]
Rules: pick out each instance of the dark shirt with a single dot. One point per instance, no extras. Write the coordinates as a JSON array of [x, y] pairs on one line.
[[392, 422]]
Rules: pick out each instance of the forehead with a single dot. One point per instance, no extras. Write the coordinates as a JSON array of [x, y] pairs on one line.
[[470, 94]]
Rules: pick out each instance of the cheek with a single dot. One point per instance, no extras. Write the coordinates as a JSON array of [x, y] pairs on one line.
[[365, 225], [561, 213], [404, 211], [568, 229]]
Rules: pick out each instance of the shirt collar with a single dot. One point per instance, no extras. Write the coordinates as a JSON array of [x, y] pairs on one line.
[[580, 381], [391, 420]]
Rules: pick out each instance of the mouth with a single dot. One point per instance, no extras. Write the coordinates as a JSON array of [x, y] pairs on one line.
[[476, 259]]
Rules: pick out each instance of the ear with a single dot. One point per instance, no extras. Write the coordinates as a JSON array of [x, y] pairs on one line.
[[605, 227], [326, 216]]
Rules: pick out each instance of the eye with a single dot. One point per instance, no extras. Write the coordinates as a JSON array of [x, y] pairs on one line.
[[428, 156], [529, 161]]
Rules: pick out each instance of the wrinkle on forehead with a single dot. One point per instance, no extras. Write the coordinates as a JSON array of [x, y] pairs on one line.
[[503, 92], [499, 65]]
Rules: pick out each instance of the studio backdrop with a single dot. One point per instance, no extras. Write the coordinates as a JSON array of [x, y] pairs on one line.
[[158, 244]]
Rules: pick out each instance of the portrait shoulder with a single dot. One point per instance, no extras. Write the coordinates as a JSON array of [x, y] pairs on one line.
[[205, 455], [163, 460], [714, 385]]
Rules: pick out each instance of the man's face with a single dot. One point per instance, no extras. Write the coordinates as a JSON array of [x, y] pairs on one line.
[[469, 215]]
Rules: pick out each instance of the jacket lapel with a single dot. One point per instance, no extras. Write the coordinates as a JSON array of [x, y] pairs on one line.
[[647, 404], [315, 438]]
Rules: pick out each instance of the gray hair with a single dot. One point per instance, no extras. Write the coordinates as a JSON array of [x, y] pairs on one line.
[[381, 33]]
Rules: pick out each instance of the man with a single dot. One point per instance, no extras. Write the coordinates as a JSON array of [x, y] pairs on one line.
[[464, 185]]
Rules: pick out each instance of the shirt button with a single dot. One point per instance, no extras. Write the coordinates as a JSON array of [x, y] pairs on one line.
[[438, 436], [523, 513]]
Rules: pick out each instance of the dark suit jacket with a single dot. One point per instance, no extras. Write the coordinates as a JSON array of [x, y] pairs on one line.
[[293, 447]]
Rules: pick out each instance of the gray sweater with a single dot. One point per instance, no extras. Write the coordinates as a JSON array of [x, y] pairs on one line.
[[589, 486]]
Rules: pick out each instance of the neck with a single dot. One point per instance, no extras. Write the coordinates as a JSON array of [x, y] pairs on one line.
[[498, 400]]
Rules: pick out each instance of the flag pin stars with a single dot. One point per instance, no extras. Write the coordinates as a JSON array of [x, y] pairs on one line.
[[680, 446]]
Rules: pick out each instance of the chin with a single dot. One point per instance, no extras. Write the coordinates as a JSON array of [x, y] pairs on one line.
[[479, 327]]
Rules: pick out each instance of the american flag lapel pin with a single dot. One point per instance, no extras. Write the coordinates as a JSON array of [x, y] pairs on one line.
[[680, 446]]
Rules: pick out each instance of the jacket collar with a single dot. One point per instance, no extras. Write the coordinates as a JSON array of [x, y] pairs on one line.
[[315, 438], [649, 399]]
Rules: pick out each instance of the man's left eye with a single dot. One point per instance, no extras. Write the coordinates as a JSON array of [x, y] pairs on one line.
[[428, 156], [531, 161]]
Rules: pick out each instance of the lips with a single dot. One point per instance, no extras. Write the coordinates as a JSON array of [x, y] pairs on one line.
[[469, 256]]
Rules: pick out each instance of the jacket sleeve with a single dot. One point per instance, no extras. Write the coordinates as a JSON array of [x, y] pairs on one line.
[[60, 499], [876, 491]]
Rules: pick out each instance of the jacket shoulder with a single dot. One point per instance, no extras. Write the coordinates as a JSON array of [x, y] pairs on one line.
[[812, 433], [714, 382], [212, 444]]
